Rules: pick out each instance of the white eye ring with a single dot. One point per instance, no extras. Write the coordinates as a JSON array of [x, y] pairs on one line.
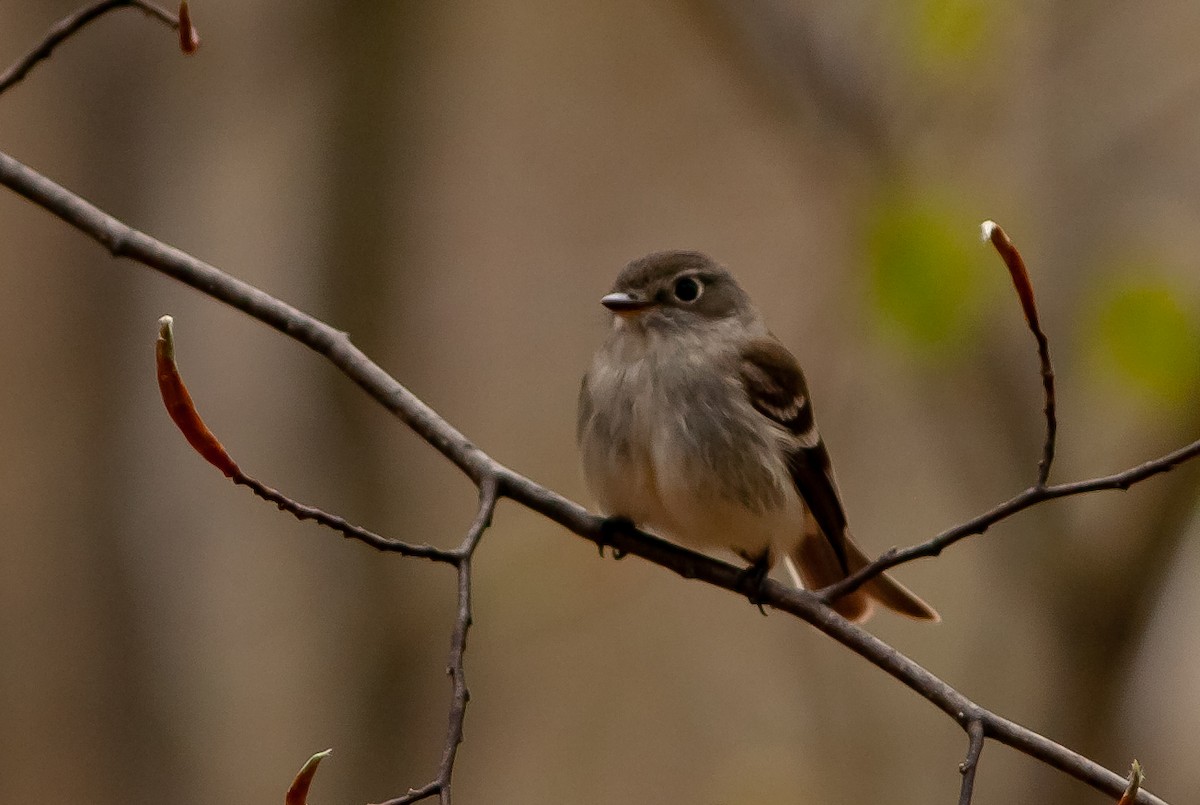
[[688, 289]]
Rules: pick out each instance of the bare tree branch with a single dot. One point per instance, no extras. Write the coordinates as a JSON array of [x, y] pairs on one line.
[[976, 736], [124, 241], [489, 491], [183, 413], [1037, 493], [69, 26], [1030, 497], [303, 511]]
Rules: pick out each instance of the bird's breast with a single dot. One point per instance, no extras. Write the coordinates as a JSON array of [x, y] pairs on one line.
[[675, 447]]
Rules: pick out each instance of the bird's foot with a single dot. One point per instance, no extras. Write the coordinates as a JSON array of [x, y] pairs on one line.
[[610, 527], [751, 579]]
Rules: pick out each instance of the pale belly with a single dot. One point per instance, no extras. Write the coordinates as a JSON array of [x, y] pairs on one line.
[[715, 497]]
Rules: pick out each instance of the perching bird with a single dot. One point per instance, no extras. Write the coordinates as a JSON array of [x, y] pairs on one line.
[[695, 423]]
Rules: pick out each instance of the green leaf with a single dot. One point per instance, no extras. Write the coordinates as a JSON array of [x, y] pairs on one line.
[[1148, 338], [947, 33], [925, 273]]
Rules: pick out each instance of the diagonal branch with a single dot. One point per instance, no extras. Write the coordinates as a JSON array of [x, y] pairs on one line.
[[183, 413], [335, 345], [69, 26], [124, 241], [1040, 491], [302, 511], [1026, 499]]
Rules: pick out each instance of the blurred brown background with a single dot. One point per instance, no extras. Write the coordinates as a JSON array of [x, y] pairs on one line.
[[457, 184]]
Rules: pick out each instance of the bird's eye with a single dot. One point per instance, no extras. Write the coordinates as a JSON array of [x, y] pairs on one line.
[[688, 289]]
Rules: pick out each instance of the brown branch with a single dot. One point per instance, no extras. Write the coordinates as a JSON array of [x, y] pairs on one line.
[[347, 529], [489, 494], [1020, 278], [124, 241], [1026, 499], [976, 736], [1040, 491], [182, 410], [69, 26]]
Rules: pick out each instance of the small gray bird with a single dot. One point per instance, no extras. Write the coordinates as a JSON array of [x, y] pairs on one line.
[[695, 423]]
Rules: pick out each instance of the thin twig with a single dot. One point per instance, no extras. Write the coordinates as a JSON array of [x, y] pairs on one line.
[[124, 241], [1020, 278], [302, 511], [1030, 497], [1040, 491], [69, 26], [182, 410], [975, 736], [489, 494]]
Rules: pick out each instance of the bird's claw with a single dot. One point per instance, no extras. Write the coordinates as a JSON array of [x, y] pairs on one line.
[[751, 579], [610, 527]]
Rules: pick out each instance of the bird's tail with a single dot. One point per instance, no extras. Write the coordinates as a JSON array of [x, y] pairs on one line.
[[814, 565]]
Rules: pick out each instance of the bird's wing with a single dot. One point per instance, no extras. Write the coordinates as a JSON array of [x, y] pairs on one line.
[[775, 384]]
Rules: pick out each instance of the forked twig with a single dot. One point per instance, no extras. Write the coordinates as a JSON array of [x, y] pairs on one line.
[[1018, 503], [1040, 491], [183, 413], [489, 492]]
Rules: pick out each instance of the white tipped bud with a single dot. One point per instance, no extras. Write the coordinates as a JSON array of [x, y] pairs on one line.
[[986, 229], [166, 334]]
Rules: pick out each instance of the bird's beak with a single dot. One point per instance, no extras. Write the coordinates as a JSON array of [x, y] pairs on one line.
[[624, 304]]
